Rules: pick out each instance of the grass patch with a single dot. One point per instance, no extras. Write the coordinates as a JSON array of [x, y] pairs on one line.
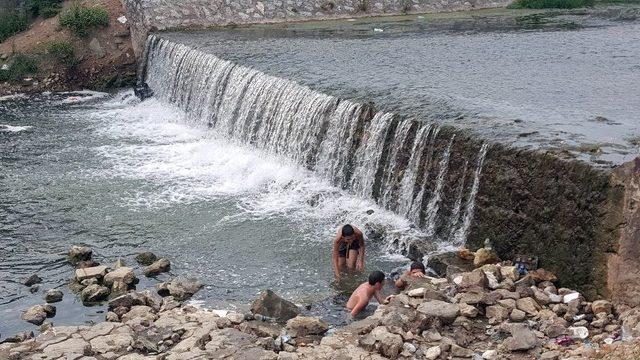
[[550, 4], [20, 66], [63, 52], [11, 24], [82, 19], [44, 8]]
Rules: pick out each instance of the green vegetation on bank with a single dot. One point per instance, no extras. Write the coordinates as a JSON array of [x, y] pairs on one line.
[[44, 8], [63, 52], [20, 66], [550, 4], [82, 19], [11, 24]]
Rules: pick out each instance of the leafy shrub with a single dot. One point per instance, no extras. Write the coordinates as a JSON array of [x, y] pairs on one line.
[[63, 52], [21, 65], [82, 19], [44, 8], [550, 4], [11, 24]]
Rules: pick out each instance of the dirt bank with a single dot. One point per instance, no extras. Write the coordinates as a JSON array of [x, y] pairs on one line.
[[103, 59]]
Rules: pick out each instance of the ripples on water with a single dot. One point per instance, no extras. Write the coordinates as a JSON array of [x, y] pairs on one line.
[[123, 177]]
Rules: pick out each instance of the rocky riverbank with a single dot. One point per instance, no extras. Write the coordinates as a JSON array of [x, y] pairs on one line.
[[490, 312]]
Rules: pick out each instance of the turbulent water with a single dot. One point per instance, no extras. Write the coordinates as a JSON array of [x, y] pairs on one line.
[[123, 177], [374, 156]]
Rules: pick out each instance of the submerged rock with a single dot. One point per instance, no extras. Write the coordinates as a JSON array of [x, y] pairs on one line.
[[37, 314], [271, 305], [146, 258], [53, 295], [158, 267], [31, 280]]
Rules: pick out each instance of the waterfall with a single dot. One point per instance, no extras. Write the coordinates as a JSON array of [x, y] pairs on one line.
[[403, 165]]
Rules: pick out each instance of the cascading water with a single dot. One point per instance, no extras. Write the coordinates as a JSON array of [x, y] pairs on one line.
[[404, 165]]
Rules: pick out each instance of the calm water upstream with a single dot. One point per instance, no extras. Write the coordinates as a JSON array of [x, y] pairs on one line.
[[558, 90], [124, 177]]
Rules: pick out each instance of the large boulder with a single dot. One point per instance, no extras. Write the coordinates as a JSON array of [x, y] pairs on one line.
[[94, 293], [442, 310], [475, 279], [449, 264], [182, 288], [122, 274], [158, 267], [79, 253], [485, 256], [271, 305], [97, 272], [301, 326], [35, 315]]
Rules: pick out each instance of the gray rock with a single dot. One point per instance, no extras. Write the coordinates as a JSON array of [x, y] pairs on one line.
[[53, 295], [79, 253], [127, 301], [122, 274], [158, 267], [32, 280], [522, 338], [94, 293], [528, 305], [37, 314], [460, 352], [146, 258], [301, 326], [439, 309], [97, 272], [182, 288], [271, 305]]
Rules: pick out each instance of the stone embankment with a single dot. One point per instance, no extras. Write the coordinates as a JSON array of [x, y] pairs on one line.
[[490, 312]]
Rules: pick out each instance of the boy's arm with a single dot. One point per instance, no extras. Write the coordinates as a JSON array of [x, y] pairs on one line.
[[379, 297], [400, 283], [334, 256]]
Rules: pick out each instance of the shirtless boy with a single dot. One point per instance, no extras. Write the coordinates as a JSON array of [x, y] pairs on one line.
[[363, 294], [348, 249], [414, 276]]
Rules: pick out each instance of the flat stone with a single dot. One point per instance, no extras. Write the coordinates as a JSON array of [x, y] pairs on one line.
[[122, 274], [116, 343], [70, 346], [91, 272], [439, 309]]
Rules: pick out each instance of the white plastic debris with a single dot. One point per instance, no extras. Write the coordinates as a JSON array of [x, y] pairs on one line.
[[578, 332], [570, 297], [122, 19], [377, 30], [5, 67]]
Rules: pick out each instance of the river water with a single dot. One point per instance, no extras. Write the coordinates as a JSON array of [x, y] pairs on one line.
[[123, 177]]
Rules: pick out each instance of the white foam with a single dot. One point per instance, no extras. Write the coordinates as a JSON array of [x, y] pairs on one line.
[[191, 164], [10, 128], [82, 96], [12, 97]]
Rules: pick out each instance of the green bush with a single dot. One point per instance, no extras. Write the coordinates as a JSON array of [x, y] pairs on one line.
[[81, 19], [11, 24], [550, 4], [44, 8], [63, 52], [21, 66]]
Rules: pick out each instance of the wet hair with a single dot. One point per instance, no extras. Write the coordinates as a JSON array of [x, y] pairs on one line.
[[417, 265], [347, 230], [376, 277]]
